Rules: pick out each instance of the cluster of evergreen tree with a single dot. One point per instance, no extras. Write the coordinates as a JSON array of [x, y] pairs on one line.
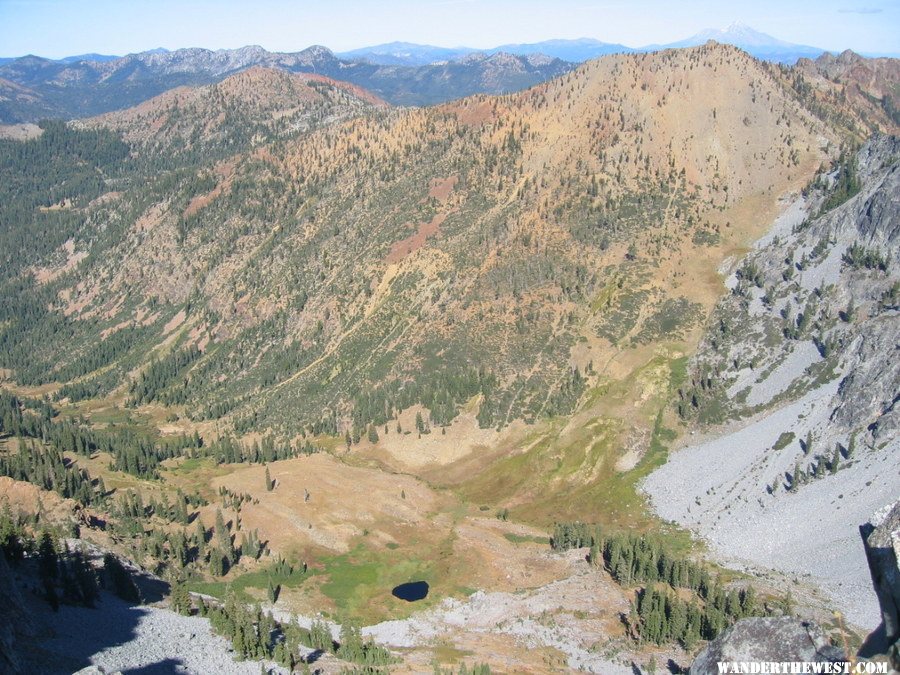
[[63, 163], [441, 392], [28, 325], [821, 465], [176, 546], [122, 582], [100, 354], [223, 554], [858, 256], [353, 648], [132, 513], [633, 559], [14, 538], [251, 546], [797, 327], [326, 424], [49, 470], [178, 510], [235, 500], [160, 375], [65, 575], [567, 536], [134, 453], [477, 669], [751, 273], [77, 578], [566, 396], [846, 184], [173, 548], [79, 391], [255, 634], [659, 614], [228, 450]]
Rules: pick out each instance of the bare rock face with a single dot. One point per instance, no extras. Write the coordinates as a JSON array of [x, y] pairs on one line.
[[766, 639], [15, 626], [881, 539]]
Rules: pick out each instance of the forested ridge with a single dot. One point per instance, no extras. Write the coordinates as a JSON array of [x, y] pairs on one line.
[[286, 256]]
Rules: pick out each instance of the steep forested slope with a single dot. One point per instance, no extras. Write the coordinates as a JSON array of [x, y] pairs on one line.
[[332, 278]]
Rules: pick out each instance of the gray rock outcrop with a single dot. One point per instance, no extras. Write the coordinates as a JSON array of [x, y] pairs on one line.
[[881, 539], [802, 363], [766, 639]]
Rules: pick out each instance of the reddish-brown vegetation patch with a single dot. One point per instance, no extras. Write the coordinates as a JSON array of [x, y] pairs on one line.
[[442, 187], [405, 247]]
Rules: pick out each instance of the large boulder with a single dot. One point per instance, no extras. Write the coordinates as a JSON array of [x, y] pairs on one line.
[[766, 639], [881, 539]]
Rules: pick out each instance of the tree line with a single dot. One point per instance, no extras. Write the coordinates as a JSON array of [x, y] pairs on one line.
[[659, 614], [66, 575], [255, 634]]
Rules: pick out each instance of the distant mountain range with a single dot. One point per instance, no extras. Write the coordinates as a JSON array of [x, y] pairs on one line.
[[751, 41], [758, 44], [754, 42], [410, 54], [401, 73], [32, 87]]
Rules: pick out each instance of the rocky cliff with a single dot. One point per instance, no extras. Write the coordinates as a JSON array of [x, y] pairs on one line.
[[15, 624], [795, 386], [881, 540]]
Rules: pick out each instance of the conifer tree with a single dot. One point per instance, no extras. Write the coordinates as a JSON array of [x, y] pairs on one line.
[[12, 537], [797, 479], [199, 537], [320, 637], [85, 578], [48, 560], [272, 591], [819, 471], [123, 584], [179, 598], [223, 539]]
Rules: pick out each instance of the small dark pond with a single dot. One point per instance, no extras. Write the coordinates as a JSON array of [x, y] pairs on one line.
[[414, 590]]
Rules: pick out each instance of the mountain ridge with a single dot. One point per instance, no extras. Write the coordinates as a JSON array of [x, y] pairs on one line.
[[756, 43], [398, 53], [533, 137], [401, 73], [86, 88], [295, 347]]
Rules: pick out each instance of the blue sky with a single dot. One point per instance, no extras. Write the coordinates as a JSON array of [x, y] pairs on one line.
[[56, 28]]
